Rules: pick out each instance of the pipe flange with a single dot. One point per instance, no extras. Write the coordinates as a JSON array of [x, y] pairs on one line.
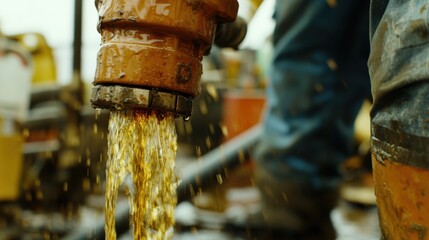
[[117, 97]]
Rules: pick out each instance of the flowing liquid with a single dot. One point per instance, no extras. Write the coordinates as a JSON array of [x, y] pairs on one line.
[[142, 148]]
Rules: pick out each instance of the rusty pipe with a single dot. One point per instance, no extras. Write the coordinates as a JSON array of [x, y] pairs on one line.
[[151, 51]]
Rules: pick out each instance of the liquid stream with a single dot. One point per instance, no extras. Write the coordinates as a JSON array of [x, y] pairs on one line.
[[141, 151]]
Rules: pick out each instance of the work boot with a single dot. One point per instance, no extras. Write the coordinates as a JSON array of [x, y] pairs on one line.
[[296, 207]]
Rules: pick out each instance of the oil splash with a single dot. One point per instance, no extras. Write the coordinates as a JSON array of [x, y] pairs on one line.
[[142, 146]]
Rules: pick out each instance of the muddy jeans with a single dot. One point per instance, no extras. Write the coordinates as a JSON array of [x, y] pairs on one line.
[[399, 70], [318, 82]]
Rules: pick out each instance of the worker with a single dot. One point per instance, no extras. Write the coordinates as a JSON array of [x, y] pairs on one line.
[[399, 70], [318, 83]]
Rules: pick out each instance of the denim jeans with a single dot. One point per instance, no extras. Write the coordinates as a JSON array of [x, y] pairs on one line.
[[318, 82]]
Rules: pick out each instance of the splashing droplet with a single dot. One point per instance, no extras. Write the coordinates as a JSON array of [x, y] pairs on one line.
[[219, 179], [97, 113]]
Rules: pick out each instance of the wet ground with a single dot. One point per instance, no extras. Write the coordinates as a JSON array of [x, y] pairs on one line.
[[354, 218], [352, 222], [236, 198]]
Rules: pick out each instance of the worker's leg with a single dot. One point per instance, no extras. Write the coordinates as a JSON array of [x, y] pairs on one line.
[[399, 69], [318, 83]]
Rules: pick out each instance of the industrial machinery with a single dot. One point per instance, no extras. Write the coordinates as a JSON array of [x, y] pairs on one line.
[[151, 51]]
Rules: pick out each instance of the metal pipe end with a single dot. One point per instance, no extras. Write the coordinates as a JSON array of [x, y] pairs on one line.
[[117, 97]]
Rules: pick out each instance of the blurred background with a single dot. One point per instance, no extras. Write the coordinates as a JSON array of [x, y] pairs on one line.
[[53, 144]]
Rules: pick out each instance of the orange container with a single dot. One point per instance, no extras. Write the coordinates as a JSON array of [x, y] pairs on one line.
[[242, 109], [403, 200]]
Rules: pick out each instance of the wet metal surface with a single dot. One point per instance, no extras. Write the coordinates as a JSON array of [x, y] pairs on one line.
[[120, 97]]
